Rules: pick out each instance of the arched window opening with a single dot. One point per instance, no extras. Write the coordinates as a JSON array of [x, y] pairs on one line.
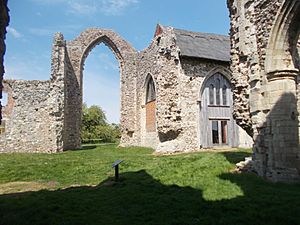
[[224, 95], [211, 94], [101, 96], [218, 97], [216, 122], [150, 94], [150, 106]]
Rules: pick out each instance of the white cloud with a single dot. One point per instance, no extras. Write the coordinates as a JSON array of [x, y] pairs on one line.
[[116, 7], [90, 7], [14, 32], [82, 8]]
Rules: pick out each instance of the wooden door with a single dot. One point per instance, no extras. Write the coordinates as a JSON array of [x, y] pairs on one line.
[[217, 126]]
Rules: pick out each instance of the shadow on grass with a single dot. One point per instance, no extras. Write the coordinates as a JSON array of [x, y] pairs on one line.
[[139, 199], [92, 146], [235, 157], [88, 147]]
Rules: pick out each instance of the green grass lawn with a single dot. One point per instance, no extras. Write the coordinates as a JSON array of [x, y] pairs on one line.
[[76, 187]]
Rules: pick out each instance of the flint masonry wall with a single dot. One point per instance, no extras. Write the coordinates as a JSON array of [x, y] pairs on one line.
[[46, 115], [160, 60], [4, 20], [178, 81], [28, 122], [35, 118], [264, 35]]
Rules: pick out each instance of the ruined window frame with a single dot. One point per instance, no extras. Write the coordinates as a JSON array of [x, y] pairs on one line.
[[150, 91]]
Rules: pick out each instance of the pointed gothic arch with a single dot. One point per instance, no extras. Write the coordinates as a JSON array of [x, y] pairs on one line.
[[150, 103], [77, 52], [281, 53], [216, 124]]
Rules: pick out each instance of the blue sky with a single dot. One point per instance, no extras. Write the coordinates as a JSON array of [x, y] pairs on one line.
[[34, 22]]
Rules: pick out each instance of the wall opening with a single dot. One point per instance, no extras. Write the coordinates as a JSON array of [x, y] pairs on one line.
[[101, 88], [150, 105]]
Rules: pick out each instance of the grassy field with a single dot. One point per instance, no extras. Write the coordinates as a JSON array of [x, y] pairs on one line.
[[76, 187]]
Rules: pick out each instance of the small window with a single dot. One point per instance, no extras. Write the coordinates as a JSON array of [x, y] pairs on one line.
[[150, 94], [224, 95], [218, 97], [211, 94]]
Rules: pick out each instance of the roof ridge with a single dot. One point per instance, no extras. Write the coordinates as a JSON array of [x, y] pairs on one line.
[[199, 33]]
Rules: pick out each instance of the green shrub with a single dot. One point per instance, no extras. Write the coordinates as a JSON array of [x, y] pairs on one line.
[[95, 128]]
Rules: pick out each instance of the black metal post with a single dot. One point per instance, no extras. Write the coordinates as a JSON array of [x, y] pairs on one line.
[[116, 172]]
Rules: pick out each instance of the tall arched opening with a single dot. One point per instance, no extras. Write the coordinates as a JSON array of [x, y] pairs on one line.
[[78, 51]]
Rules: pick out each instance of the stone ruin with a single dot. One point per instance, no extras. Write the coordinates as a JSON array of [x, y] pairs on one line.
[[165, 87], [265, 75], [166, 99]]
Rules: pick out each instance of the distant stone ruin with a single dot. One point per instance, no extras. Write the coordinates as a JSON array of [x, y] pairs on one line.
[[176, 95]]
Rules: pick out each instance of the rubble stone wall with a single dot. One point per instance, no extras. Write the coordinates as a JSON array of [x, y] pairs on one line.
[[264, 36], [54, 107], [27, 124], [178, 81], [35, 110]]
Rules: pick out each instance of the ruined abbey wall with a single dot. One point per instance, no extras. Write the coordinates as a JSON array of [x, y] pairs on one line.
[[35, 111], [45, 116], [178, 81], [4, 20], [264, 36]]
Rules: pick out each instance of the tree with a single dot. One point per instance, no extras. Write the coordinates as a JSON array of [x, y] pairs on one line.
[[95, 126], [93, 116]]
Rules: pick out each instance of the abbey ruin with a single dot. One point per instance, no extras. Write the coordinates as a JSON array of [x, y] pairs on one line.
[[265, 70], [186, 91], [176, 95]]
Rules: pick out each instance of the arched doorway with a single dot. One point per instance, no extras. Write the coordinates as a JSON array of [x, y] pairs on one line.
[[78, 51], [217, 126], [101, 82]]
